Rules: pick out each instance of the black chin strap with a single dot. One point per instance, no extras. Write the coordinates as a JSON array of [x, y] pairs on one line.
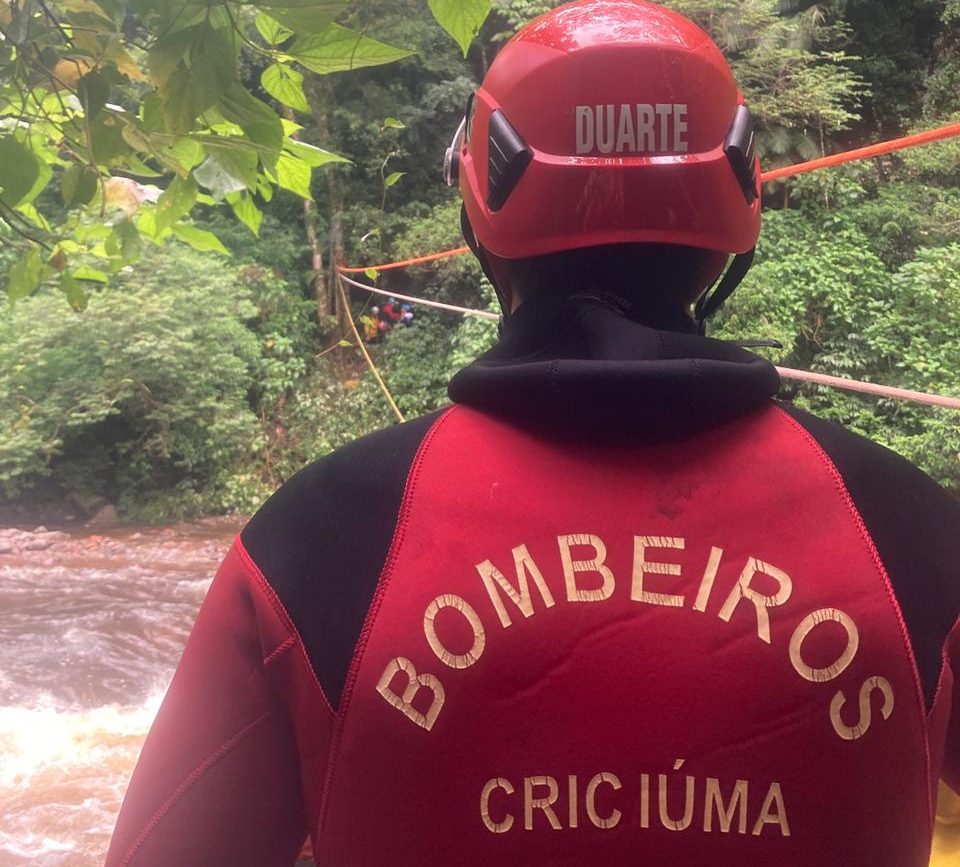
[[712, 300], [481, 255]]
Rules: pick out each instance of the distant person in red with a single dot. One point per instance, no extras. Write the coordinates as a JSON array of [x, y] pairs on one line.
[[391, 311], [617, 605]]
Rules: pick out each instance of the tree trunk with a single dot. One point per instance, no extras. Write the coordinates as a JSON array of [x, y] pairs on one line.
[[336, 244], [321, 291], [318, 282], [319, 96]]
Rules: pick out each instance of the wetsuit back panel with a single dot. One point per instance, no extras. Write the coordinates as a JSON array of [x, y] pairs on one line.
[[681, 654]]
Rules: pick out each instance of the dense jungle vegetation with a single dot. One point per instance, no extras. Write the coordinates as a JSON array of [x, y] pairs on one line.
[[177, 181]]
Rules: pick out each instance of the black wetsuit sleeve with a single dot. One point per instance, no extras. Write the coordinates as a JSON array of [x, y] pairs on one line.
[[321, 541]]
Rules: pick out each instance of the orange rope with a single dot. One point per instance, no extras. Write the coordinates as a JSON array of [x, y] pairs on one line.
[[418, 261], [921, 138], [876, 150]]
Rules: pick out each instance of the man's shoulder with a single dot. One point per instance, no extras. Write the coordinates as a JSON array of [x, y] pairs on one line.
[[372, 466], [321, 540], [914, 525], [872, 471]]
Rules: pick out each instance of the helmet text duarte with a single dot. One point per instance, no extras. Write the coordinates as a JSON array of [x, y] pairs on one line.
[[640, 128]]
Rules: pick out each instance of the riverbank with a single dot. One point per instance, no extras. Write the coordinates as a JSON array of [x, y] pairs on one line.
[[29, 539]]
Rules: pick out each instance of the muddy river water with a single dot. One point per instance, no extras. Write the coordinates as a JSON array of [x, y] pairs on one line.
[[92, 624], [91, 627]]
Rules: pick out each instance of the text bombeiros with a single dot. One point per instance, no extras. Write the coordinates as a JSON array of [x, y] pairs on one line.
[[848, 709]]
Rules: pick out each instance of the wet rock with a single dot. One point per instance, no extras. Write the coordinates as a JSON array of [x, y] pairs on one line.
[[6, 548], [105, 515], [37, 545]]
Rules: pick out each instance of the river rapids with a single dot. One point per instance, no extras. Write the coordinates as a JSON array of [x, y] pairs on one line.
[[91, 629]]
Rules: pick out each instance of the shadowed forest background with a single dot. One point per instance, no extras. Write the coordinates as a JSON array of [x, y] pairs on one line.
[[175, 343]]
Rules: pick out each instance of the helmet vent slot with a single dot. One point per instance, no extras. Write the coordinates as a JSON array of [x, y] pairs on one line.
[[741, 150], [509, 156]]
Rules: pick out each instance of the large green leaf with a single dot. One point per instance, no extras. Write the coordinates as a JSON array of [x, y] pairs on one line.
[[123, 243], [260, 123], [44, 176], [71, 287], [200, 77], [461, 18], [78, 185], [294, 174], [167, 52], [285, 84], [19, 170], [93, 90], [306, 18], [88, 7], [93, 275], [106, 138], [312, 155], [246, 211], [212, 175], [175, 202], [272, 31], [235, 157], [180, 154], [338, 48], [200, 239], [25, 275]]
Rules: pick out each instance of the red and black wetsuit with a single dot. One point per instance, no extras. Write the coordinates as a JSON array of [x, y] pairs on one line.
[[616, 606]]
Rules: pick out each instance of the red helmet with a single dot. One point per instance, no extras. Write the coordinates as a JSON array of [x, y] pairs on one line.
[[608, 122]]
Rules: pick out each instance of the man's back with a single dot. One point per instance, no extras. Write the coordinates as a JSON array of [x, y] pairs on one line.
[[494, 637]]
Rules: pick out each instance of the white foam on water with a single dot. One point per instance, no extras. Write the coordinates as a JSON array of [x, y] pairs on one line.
[[62, 777]]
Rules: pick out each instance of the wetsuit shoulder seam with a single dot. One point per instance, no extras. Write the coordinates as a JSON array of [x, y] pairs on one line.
[[881, 568], [265, 589], [188, 782], [370, 620]]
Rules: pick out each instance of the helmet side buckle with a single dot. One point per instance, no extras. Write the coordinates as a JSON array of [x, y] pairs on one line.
[[741, 150], [509, 157]]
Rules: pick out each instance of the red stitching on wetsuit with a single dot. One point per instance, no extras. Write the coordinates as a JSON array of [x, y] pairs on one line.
[[188, 783], [945, 662], [267, 590], [274, 655], [885, 578], [358, 652]]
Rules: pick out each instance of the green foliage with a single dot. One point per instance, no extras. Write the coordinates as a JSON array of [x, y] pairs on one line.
[[139, 399], [414, 361], [794, 70], [474, 336], [457, 280], [907, 55], [823, 292], [337, 49], [461, 18], [96, 94], [515, 13], [130, 126]]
